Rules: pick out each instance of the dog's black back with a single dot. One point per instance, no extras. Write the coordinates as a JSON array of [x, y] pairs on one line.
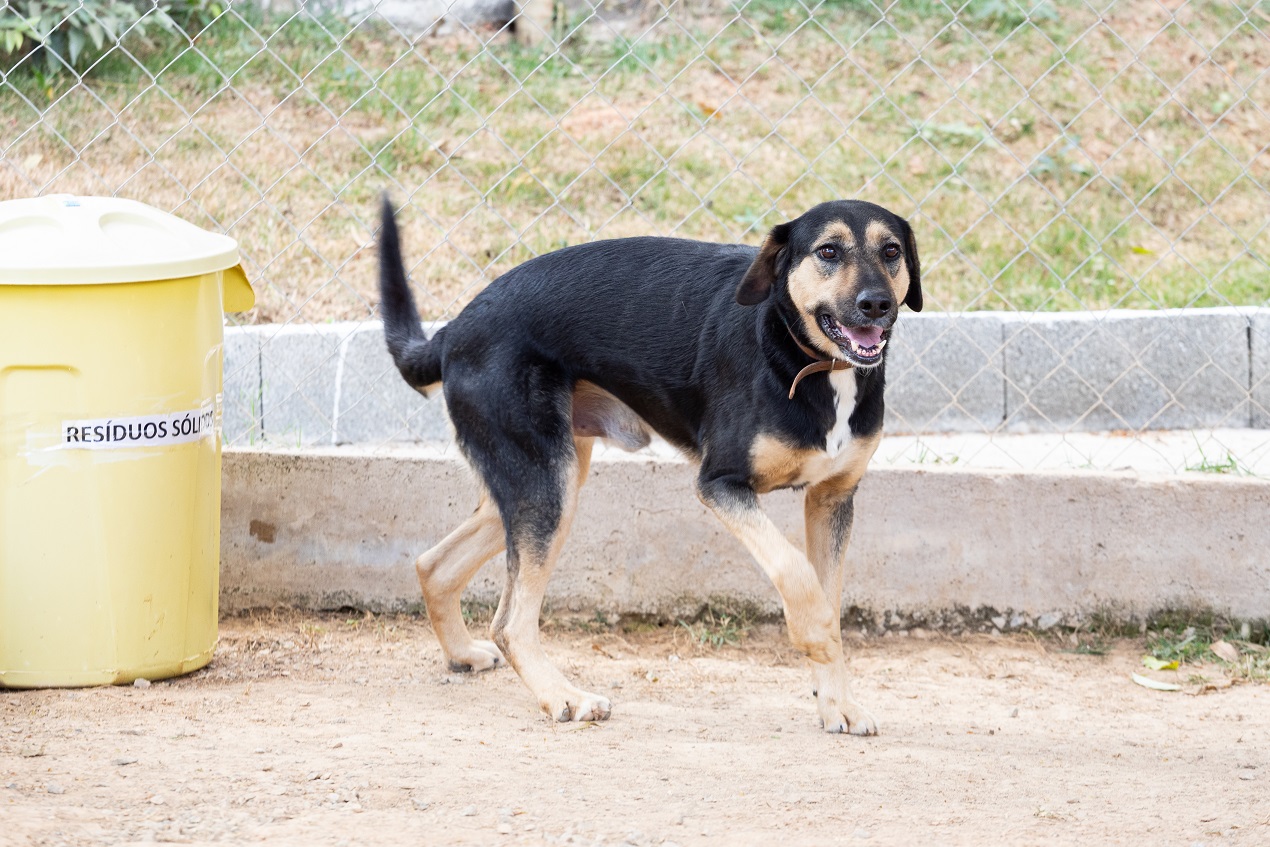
[[656, 323]]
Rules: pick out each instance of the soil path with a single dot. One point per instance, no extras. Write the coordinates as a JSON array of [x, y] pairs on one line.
[[320, 730]]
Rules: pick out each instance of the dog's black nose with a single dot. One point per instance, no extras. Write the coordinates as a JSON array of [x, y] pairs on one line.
[[874, 304]]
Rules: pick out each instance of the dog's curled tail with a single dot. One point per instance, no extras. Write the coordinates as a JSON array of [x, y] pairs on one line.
[[416, 357]]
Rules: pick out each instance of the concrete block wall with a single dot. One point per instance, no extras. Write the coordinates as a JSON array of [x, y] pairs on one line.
[[305, 386], [956, 372], [944, 373], [324, 528], [1128, 370], [1259, 376]]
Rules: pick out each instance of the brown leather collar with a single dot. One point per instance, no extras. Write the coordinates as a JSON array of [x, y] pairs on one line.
[[816, 366]]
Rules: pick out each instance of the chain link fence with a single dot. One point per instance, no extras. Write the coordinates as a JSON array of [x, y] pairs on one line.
[[1089, 182]]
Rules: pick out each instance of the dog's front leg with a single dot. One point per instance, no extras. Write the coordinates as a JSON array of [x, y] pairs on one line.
[[828, 511], [814, 623]]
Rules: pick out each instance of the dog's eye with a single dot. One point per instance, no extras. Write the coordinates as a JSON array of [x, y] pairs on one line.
[[828, 253], [891, 251]]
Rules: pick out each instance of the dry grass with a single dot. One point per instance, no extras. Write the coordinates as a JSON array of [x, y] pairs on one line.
[[1070, 161]]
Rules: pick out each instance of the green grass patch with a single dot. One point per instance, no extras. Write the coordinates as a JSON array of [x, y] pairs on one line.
[[722, 622], [1039, 150], [1220, 461], [716, 629], [1242, 649]]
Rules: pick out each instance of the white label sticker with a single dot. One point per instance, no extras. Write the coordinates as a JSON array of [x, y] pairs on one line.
[[144, 431]]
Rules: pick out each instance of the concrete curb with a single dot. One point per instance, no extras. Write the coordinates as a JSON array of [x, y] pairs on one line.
[[958, 372], [932, 546]]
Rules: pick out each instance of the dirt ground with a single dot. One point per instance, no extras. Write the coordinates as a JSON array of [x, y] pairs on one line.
[[317, 730]]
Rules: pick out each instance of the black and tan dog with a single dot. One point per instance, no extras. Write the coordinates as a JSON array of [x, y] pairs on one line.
[[765, 366]]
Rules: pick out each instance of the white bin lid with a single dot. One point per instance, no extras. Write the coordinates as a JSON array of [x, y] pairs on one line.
[[60, 239]]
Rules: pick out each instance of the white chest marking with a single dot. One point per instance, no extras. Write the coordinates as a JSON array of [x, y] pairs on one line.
[[844, 387], [778, 465]]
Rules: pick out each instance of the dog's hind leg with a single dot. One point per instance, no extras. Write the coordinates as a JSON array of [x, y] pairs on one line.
[[445, 570], [538, 520]]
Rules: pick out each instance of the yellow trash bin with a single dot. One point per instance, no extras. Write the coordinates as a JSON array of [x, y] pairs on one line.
[[111, 332]]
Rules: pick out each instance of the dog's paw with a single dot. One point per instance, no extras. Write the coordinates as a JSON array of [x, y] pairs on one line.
[[575, 705], [481, 656], [846, 716]]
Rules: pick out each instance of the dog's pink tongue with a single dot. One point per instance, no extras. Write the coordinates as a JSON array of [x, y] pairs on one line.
[[865, 336]]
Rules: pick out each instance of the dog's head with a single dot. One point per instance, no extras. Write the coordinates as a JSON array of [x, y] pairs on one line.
[[841, 270]]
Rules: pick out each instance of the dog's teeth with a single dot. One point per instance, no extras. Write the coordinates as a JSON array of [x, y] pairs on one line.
[[868, 351]]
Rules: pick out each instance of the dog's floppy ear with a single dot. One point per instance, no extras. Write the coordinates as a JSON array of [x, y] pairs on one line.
[[759, 279], [913, 299]]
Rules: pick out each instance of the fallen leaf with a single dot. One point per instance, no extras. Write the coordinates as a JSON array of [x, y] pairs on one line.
[[1205, 687], [1224, 651], [1159, 664], [1154, 684]]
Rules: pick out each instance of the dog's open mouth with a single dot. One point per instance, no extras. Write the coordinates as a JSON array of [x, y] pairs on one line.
[[862, 343]]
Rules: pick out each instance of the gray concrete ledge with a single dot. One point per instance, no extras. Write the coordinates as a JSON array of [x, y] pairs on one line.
[[935, 546], [958, 372]]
